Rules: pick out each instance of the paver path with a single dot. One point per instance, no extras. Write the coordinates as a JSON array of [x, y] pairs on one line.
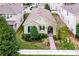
[[51, 41]]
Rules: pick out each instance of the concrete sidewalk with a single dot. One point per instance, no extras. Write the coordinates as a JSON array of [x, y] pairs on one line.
[[49, 52], [51, 41]]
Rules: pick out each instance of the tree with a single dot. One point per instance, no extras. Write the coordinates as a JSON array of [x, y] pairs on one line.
[[8, 43], [34, 33], [63, 33], [28, 4], [47, 7], [25, 16], [77, 30]]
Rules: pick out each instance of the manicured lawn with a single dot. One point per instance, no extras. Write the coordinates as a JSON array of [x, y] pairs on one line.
[[27, 44]]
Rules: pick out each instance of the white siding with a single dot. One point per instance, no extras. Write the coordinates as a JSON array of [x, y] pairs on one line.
[[15, 19], [69, 19], [40, 22]]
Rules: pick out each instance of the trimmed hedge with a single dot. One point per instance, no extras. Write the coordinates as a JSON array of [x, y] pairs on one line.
[[42, 36], [27, 37], [34, 33]]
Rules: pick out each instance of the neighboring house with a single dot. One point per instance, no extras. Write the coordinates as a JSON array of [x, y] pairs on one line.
[[42, 19], [69, 13], [54, 6], [33, 6], [13, 14]]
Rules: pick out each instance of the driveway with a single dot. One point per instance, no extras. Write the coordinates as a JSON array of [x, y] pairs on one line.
[[51, 41]]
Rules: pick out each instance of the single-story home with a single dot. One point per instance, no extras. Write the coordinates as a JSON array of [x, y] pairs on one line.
[[42, 19]]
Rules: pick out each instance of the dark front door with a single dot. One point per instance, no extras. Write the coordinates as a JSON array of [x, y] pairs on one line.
[[50, 29]]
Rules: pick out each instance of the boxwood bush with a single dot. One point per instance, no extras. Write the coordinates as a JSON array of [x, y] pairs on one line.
[[42, 36], [34, 33], [27, 37]]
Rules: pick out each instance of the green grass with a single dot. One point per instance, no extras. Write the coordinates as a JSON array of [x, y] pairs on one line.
[[27, 44]]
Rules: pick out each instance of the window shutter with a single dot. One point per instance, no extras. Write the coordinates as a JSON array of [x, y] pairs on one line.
[[43, 27], [40, 27], [29, 28]]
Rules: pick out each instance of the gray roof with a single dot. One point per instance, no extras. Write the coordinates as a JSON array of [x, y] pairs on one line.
[[40, 12], [12, 8], [73, 8]]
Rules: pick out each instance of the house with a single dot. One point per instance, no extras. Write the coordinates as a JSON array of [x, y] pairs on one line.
[[42, 19], [13, 14], [69, 13]]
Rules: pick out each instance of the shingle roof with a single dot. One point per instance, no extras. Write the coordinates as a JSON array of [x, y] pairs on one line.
[[40, 12], [73, 8], [10, 8]]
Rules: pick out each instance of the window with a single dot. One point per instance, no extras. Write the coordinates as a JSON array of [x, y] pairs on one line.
[[67, 13], [42, 27], [68, 21], [15, 25], [21, 19], [11, 25], [10, 16], [7, 16], [29, 28], [72, 30], [31, 8]]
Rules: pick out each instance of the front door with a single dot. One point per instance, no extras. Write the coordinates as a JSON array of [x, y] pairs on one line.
[[50, 29]]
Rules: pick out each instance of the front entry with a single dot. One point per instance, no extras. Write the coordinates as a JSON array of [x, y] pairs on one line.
[[50, 29]]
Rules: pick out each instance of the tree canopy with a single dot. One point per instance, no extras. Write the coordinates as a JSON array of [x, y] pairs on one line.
[[77, 30], [47, 7], [8, 43]]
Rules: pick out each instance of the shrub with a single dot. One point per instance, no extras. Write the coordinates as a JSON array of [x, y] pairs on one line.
[[42, 36], [8, 43], [62, 33], [27, 37], [34, 33], [67, 45], [54, 14], [77, 30]]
